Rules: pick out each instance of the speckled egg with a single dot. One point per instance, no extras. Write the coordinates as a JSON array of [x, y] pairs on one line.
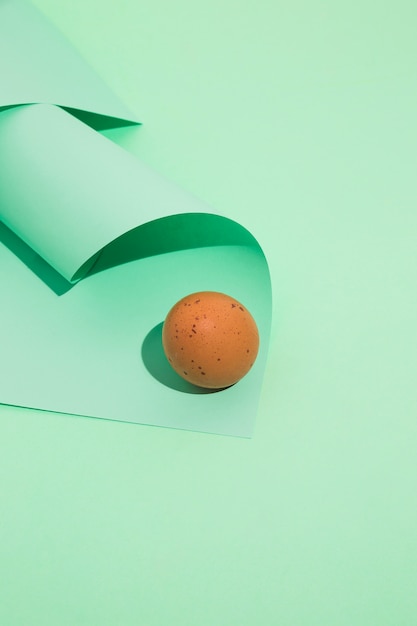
[[210, 339]]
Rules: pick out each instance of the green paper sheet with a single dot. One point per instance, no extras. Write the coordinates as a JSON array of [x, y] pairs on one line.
[[74, 204], [37, 64], [95, 248]]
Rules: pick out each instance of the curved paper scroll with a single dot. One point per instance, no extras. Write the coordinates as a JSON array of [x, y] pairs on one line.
[[73, 204], [67, 191]]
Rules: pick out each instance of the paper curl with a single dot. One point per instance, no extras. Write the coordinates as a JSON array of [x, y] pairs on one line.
[[74, 205]]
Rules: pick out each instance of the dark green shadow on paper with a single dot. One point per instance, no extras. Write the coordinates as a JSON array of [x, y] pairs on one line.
[[53, 279], [97, 121], [168, 234]]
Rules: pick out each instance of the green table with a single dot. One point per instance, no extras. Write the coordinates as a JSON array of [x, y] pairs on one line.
[[298, 121]]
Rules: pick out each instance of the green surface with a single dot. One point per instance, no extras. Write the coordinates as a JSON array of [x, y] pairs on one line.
[[297, 120]]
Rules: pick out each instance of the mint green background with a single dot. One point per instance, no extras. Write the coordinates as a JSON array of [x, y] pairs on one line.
[[298, 121]]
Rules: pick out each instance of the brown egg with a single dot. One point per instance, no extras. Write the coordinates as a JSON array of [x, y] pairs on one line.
[[210, 339]]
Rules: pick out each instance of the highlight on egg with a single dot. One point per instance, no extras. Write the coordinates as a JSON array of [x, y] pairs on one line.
[[210, 339]]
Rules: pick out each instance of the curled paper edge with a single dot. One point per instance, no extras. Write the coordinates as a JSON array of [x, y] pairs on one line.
[[39, 65], [82, 203]]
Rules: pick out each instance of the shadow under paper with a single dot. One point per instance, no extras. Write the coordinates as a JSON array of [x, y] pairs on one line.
[[168, 234]]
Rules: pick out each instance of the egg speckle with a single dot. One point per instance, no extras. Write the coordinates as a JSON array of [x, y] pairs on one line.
[[210, 339]]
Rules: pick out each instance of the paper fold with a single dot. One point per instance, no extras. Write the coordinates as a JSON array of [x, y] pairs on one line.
[[38, 65], [68, 192]]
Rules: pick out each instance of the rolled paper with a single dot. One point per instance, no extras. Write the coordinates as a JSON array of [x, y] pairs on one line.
[[74, 205], [80, 190]]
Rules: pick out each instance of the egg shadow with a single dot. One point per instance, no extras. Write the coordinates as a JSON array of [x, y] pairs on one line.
[[155, 361]]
